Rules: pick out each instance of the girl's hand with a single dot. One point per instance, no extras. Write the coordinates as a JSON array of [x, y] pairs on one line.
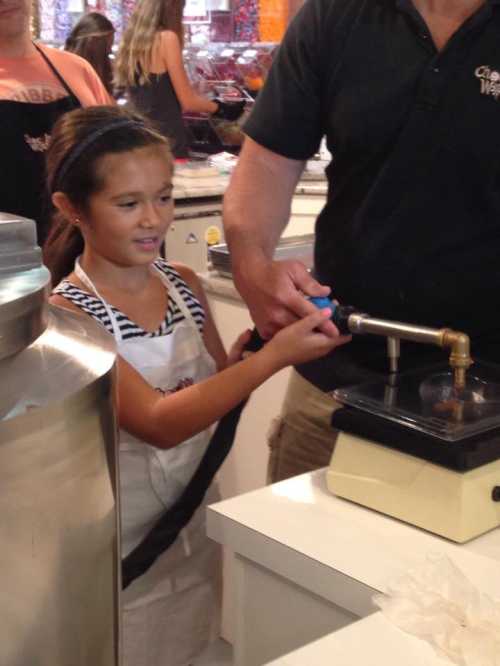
[[274, 293], [236, 352], [303, 340]]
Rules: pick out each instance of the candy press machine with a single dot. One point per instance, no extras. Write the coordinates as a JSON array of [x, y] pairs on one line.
[[423, 447]]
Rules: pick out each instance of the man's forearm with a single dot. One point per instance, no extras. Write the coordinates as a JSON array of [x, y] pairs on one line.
[[257, 203]]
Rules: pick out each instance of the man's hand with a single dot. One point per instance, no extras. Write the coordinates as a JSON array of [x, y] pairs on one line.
[[275, 292]]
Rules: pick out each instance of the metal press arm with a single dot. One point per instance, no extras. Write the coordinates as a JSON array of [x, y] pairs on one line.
[[458, 343]]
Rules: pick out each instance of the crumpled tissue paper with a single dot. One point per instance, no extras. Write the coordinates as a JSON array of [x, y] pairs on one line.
[[437, 603]]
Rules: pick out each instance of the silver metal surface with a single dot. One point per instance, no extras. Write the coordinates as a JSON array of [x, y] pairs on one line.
[[24, 284], [59, 561], [19, 250], [459, 344], [361, 323], [393, 353], [290, 247], [23, 309]]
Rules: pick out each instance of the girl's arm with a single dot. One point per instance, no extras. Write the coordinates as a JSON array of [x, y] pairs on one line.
[[165, 421], [188, 98]]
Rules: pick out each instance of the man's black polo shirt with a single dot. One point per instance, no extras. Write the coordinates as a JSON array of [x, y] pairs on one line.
[[411, 229]]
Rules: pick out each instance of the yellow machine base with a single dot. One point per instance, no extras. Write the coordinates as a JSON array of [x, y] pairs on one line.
[[458, 506]]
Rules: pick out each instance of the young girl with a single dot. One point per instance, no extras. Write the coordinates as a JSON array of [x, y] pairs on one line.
[[150, 67], [110, 176]]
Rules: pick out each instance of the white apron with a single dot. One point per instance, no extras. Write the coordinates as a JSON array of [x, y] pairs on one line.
[[171, 612]]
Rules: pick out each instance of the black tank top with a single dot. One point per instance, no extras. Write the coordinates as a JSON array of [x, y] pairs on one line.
[[25, 129], [157, 100]]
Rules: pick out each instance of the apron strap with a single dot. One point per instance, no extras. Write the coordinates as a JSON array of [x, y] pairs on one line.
[[84, 278], [172, 290], [179, 301], [55, 72]]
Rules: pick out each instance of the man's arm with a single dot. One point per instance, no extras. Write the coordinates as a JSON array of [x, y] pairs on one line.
[[257, 202], [256, 211]]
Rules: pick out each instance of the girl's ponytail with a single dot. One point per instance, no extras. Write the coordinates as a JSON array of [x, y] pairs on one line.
[[62, 247]]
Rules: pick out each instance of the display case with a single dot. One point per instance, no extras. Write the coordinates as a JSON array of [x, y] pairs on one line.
[[241, 63], [229, 71]]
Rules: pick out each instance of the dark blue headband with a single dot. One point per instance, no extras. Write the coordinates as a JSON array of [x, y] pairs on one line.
[[79, 148]]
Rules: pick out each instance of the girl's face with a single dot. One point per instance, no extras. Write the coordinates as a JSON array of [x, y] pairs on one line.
[[127, 219]]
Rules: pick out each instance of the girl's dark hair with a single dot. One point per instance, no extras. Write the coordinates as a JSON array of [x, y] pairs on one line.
[[100, 130], [92, 39]]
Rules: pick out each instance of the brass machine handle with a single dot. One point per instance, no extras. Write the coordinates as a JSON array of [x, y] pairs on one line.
[[348, 320], [459, 343]]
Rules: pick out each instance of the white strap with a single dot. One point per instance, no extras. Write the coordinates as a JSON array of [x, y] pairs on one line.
[[172, 290], [84, 278], [180, 302]]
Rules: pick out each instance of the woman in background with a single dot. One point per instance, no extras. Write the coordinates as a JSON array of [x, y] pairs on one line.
[[92, 38], [150, 68]]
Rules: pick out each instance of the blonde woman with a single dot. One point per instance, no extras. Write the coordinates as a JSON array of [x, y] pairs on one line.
[[150, 68]]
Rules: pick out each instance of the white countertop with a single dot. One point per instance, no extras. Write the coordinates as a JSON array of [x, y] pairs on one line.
[[372, 641], [297, 528], [213, 186], [317, 188], [344, 553]]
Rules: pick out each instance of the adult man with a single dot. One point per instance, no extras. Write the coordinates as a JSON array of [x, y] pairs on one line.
[[37, 85], [407, 95]]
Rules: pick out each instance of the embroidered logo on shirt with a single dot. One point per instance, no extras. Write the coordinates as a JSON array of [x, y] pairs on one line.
[[490, 81], [181, 384], [38, 144]]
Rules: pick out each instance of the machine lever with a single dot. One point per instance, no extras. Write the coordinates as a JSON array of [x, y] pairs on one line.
[[340, 313], [349, 320], [340, 317]]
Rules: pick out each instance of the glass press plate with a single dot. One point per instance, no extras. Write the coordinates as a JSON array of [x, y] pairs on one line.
[[425, 401]]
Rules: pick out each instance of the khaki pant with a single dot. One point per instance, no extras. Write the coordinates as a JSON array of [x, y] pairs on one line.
[[301, 438]]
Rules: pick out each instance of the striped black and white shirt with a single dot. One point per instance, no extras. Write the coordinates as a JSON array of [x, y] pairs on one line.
[[94, 307]]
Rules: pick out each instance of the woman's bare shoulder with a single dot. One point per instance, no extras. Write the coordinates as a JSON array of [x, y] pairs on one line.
[[169, 37]]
